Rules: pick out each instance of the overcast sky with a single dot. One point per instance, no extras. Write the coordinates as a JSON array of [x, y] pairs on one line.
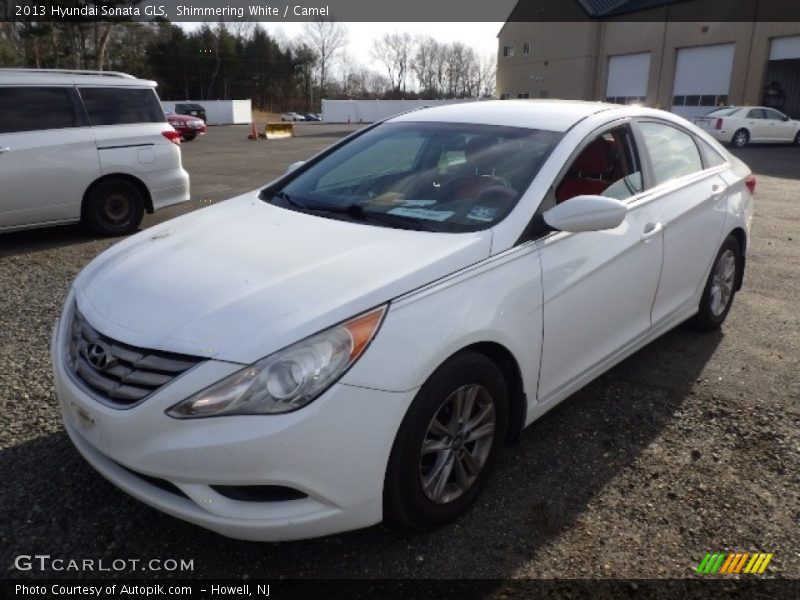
[[481, 36]]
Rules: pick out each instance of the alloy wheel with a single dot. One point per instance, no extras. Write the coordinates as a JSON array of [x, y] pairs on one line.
[[722, 282], [457, 443]]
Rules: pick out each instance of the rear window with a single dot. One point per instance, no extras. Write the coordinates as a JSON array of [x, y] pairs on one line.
[[723, 112], [119, 106], [35, 108]]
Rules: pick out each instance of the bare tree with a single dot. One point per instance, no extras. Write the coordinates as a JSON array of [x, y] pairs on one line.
[[394, 50], [326, 38], [424, 65]]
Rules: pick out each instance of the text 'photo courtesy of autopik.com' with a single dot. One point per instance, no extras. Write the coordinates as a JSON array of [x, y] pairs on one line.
[[403, 300]]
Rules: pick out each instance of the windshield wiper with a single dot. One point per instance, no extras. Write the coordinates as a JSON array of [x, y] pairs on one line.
[[281, 195], [354, 211], [357, 213]]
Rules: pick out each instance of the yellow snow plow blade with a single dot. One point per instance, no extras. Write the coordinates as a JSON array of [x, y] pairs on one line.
[[278, 131]]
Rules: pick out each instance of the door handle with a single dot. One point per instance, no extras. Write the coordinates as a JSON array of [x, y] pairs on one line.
[[717, 189], [651, 230], [3, 150]]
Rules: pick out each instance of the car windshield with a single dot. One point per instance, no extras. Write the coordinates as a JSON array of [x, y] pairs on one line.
[[449, 177], [725, 111]]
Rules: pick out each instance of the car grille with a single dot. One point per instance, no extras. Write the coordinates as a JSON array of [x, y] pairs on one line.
[[120, 374]]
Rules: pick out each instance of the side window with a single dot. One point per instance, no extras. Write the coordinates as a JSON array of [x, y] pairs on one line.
[[121, 105], [756, 113], [607, 166], [673, 152], [774, 114], [35, 108], [711, 158]]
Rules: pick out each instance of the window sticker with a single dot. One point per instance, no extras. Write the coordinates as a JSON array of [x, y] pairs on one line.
[[422, 213], [410, 203], [482, 213]]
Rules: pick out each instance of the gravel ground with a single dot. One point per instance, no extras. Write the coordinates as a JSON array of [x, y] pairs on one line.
[[689, 446]]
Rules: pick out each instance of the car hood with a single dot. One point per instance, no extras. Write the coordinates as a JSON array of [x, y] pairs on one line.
[[242, 279]]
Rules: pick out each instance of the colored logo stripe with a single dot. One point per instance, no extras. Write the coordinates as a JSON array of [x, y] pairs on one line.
[[720, 562]]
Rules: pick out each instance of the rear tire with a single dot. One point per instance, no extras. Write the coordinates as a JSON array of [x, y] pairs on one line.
[[448, 443], [797, 139], [113, 207], [740, 139], [190, 137], [717, 298]]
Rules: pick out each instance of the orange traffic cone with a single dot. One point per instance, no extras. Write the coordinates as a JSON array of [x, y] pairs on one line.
[[253, 132]]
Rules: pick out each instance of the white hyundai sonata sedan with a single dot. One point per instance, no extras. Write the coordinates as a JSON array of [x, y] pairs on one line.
[[359, 338]]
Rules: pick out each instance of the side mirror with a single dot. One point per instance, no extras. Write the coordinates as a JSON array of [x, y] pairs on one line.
[[294, 165], [586, 213]]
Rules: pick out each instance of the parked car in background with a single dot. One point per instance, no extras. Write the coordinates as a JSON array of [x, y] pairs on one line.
[[191, 109], [311, 117], [740, 125], [89, 146], [188, 127], [369, 330], [292, 116]]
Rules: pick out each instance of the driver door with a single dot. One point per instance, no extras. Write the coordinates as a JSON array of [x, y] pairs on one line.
[[599, 286]]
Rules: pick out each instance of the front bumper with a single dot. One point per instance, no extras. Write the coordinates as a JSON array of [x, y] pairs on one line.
[[334, 451]]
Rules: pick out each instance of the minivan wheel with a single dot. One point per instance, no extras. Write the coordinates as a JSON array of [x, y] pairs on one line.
[[720, 289], [114, 207], [448, 443], [740, 138]]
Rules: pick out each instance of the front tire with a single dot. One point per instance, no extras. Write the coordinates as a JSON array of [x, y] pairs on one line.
[[448, 443], [113, 207], [797, 139], [740, 139], [717, 298]]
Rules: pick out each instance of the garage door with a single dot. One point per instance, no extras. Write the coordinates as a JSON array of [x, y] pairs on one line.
[[627, 78], [702, 79], [784, 48], [782, 80]]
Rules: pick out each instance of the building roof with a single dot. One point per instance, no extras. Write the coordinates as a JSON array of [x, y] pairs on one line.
[[598, 9], [550, 115]]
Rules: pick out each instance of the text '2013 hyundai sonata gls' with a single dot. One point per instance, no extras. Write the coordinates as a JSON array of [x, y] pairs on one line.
[[358, 339]]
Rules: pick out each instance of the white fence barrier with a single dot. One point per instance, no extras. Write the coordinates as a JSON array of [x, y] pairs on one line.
[[369, 111]]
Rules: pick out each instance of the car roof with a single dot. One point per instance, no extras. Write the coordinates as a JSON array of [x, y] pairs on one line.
[[70, 77], [551, 115]]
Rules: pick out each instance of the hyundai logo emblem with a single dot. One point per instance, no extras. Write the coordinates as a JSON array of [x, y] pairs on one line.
[[98, 355]]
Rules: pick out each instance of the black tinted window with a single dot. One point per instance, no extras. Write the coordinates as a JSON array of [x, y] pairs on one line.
[[117, 106], [34, 108]]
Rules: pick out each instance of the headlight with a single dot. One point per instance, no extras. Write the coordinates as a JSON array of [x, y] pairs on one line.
[[290, 378]]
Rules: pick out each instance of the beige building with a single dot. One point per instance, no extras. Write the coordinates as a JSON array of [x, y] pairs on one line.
[[664, 57]]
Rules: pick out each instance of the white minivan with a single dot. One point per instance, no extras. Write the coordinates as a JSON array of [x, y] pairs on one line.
[[89, 146]]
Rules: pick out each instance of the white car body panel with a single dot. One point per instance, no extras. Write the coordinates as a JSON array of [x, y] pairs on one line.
[[240, 280], [71, 165]]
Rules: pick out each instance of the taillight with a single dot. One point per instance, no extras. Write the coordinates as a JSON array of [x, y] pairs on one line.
[[718, 124], [173, 136], [750, 182]]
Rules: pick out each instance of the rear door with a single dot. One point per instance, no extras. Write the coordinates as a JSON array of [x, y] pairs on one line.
[[687, 201], [128, 123], [756, 123], [48, 156]]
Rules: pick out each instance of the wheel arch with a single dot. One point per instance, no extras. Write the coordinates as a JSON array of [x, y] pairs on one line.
[[140, 185], [740, 236], [505, 361]]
